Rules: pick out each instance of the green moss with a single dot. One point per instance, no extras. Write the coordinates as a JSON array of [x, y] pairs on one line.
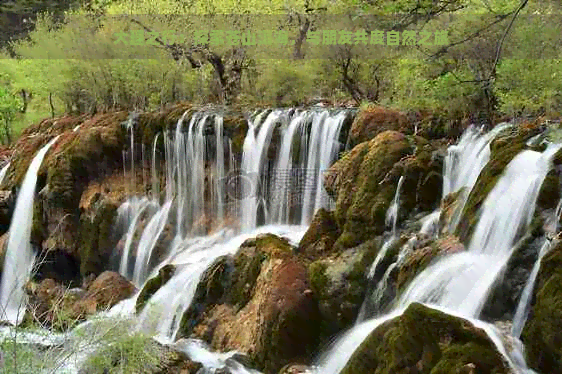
[[212, 287], [317, 277], [38, 229], [320, 236], [153, 285], [153, 123], [425, 340], [340, 283], [235, 127], [363, 192], [415, 264], [247, 267], [549, 194], [542, 334], [96, 239], [273, 245]]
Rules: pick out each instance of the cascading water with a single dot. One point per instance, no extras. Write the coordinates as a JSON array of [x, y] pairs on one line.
[[391, 220], [164, 310], [464, 162], [309, 145], [524, 305], [460, 283], [19, 255], [307, 139], [3, 172]]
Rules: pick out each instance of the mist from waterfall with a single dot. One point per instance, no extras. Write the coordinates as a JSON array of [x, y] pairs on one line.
[[19, 256]]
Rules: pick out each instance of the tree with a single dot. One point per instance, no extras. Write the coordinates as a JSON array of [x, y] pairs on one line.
[[10, 105]]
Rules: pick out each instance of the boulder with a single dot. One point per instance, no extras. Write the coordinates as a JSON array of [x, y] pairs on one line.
[[424, 340], [257, 302], [105, 291], [421, 257], [504, 297]]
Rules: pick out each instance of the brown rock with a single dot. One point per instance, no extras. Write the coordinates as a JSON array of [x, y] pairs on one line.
[[320, 236], [372, 121], [105, 291], [270, 321]]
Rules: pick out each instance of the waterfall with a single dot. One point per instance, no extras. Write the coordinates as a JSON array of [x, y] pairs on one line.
[[309, 145], [391, 220], [139, 206], [193, 254], [524, 305], [392, 212], [163, 312], [147, 242], [459, 284], [19, 255], [464, 162], [254, 154], [462, 281], [3, 172], [154, 169]]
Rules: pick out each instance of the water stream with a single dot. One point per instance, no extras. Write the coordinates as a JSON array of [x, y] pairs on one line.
[[19, 257]]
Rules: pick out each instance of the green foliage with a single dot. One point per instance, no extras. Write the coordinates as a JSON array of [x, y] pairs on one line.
[[76, 66], [129, 353]]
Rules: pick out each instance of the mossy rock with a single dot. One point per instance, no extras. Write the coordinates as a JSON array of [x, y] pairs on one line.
[[424, 340], [235, 127], [340, 283], [373, 120], [320, 236], [96, 239], [152, 123], [503, 150], [362, 192], [549, 194], [153, 285], [542, 334], [247, 267]]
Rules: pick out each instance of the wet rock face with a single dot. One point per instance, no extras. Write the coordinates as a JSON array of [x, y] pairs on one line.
[[503, 149], [423, 255], [340, 283], [257, 302], [424, 340], [363, 195], [320, 237], [542, 334], [153, 285], [504, 298], [96, 235], [7, 203]]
